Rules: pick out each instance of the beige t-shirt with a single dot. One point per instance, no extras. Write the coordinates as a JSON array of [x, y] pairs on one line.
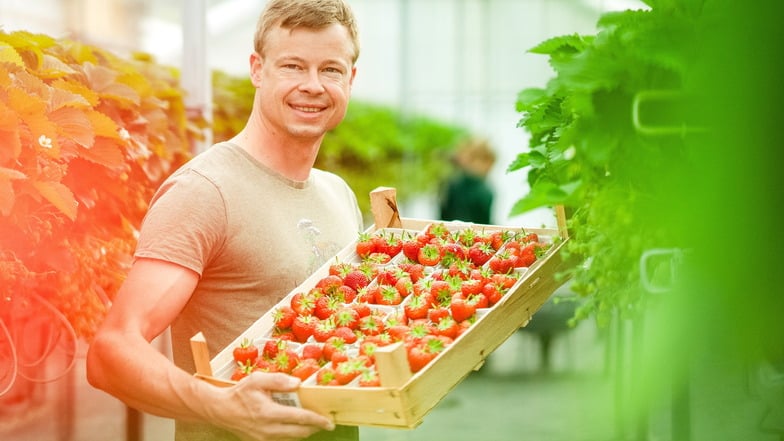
[[252, 234]]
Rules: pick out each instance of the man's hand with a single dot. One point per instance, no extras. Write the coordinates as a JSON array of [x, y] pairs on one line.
[[256, 417]]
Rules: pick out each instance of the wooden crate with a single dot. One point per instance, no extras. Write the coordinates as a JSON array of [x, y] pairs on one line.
[[404, 398]]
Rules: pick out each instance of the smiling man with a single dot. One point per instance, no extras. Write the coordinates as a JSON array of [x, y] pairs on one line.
[[223, 240]]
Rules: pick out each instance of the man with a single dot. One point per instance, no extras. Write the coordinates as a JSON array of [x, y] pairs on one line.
[[223, 240]]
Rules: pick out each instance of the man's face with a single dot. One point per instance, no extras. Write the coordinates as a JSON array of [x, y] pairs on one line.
[[304, 79]]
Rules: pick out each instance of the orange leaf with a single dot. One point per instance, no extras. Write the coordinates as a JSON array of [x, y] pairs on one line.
[[10, 142], [58, 195], [9, 55], [103, 125], [104, 152], [7, 196], [77, 88], [74, 124]]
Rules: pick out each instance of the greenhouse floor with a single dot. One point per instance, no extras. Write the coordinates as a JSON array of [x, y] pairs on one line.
[[510, 398]]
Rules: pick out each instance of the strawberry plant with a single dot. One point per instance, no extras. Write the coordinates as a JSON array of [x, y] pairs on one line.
[[588, 152], [85, 138]]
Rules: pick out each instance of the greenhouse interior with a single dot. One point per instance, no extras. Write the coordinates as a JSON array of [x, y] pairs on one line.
[[627, 146]]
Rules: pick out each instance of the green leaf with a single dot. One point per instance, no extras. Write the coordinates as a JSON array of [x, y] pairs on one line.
[[568, 44], [521, 161]]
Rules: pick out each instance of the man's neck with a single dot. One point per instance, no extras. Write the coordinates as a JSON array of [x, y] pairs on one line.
[[289, 156]]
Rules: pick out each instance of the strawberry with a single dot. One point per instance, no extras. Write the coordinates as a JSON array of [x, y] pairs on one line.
[[415, 271], [447, 326], [283, 316], [332, 345], [356, 279], [416, 307], [369, 378], [323, 330], [362, 308], [347, 334], [471, 286], [328, 284], [365, 245], [272, 347], [461, 308], [411, 249], [371, 325], [493, 291], [480, 253], [242, 370], [303, 327], [348, 370], [398, 332], [246, 352], [326, 377], [326, 306], [285, 361], [303, 303], [347, 317], [314, 351], [429, 255], [422, 353], [502, 262], [305, 368], [388, 295], [437, 313]]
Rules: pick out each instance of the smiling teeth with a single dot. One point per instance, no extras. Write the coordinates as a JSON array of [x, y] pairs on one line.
[[307, 109]]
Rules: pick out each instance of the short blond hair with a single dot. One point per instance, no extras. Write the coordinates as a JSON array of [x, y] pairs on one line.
[[312, 14], [475, 155]]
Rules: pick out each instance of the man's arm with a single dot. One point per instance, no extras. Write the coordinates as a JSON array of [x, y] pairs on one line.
[[122, 362]]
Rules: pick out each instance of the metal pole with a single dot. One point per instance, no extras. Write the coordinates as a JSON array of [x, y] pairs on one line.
[[195, 73]]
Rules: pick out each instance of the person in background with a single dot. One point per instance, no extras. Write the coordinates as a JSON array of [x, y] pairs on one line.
[[466, 196], [223, 241]]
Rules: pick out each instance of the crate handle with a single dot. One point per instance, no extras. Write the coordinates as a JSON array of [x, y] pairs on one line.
[[383, 205], [201, 355]]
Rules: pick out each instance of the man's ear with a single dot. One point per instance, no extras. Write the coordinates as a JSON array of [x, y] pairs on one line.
[[255, 69]]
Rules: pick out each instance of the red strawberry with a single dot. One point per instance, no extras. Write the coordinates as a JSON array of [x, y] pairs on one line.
[[347, 316], [326, 377], [303, 327], [326, 306], [242, 370], [365, 245], [362, 308], [388, 295], [436, 314], [348, 370], [346, 333], [272, 347], [411, 249], [502, 263], [422, 353], [285, 361], [448, 327], [246, 352], [416, 307], [283, 316], [429, 255], [369, 378], [305, 368], [480, 253], [356, 279], [324, 329], [303, 303], [461, 308], [371, 325], [313, 351], [332, 345]]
